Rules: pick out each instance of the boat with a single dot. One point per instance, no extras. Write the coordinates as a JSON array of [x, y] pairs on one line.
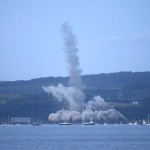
[[144, 122], [148, 120], [89, 123], [105, 123], [36, 124], [65, 123], [4, 125], [135, 123], [130, 123]]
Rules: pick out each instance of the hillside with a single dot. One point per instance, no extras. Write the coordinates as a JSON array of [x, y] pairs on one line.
[[27, 98]]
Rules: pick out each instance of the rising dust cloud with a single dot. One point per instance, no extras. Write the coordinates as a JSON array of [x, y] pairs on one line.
[[96, 109]]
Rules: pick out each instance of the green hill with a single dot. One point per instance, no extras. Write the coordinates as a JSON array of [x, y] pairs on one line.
[[27, 98]]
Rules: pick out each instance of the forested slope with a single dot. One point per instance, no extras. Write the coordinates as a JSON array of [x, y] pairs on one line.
[[27, 98]]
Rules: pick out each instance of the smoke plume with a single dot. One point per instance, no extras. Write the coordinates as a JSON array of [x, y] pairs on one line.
[[73, 94], [96, 109], [70, 47]]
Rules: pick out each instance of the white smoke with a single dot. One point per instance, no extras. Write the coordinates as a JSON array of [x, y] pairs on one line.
[[96, 109], [70, 47], [97, 103], [73, 95], [65, 115]]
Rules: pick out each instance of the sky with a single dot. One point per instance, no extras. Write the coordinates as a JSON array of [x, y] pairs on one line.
[[113, 36]]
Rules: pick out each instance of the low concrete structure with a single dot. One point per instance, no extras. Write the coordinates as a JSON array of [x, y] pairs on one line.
[[20, 120]]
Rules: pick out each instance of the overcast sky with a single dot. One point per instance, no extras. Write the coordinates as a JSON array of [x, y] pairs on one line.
[[113, 36]]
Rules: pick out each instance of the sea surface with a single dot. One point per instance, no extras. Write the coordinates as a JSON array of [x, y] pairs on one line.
[[75, 137]]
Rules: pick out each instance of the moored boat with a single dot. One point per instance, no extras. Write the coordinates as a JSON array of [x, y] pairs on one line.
[[148, 123], [144, 122], [89, 123], [65, 123]]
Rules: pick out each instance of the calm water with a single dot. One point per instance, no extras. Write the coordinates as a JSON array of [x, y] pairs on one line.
[[75, 137]]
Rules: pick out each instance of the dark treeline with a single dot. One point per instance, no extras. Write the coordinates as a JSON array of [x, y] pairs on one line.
[[27, 98]]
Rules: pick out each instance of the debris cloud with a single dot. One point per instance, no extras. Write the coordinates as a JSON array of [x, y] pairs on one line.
[[96, 109]]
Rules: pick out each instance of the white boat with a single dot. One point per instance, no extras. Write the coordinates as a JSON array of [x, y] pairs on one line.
[[144, 122], [89, 123], [36, 124], [130, 123], [148, 120], [4, 125], [135, 123], [65, 123]]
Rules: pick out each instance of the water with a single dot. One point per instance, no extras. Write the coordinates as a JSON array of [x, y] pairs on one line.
[[75, 137]]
